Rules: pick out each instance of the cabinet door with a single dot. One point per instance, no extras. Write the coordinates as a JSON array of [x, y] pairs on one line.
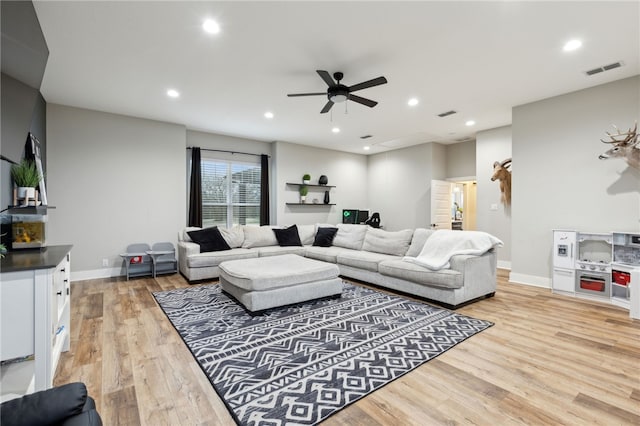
[[16, 315], [564, 280], [564, 249]]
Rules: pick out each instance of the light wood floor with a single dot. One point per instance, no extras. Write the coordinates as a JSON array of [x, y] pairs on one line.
[[549, 359]]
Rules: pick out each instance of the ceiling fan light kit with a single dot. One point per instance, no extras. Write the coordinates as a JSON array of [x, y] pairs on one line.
[[337, 92]]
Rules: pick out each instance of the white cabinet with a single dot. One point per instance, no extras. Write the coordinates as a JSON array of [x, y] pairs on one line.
[[564, 280], [34, 318]]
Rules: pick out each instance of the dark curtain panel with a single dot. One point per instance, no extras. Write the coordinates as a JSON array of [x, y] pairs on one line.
[[264, 190], [195, 190]]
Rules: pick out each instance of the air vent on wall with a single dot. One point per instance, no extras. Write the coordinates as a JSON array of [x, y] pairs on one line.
[[444, 114], [604, 68]]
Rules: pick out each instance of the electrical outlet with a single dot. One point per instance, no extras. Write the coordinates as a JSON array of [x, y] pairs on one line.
[[493, 207], [105, 262]]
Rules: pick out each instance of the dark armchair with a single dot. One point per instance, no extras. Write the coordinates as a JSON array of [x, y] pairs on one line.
[[66, 405]]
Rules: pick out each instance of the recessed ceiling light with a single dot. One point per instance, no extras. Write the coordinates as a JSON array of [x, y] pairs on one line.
[[366, 147], [572, 45], [413, 102], [173, 93], [211, 26], [470, 123], [268, 115], [335, 130]]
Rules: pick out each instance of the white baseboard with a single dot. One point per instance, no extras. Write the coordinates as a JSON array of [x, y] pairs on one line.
[[531, 280], [96, 273], [504, 264]]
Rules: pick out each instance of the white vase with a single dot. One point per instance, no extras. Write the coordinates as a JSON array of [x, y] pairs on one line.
[[26, 193], [306, 182], [303, 199]]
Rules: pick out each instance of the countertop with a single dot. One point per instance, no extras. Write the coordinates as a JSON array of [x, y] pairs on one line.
[[30, 259]]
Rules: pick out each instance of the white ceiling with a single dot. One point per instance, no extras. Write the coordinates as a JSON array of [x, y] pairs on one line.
[[478, 58]]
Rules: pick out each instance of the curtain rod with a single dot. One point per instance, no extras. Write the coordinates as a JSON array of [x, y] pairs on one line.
[[231, 152]]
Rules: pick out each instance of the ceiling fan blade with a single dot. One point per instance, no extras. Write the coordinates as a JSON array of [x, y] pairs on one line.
[[307, 94], [327, 107], [326, 77], [363, 101], [375, 82]]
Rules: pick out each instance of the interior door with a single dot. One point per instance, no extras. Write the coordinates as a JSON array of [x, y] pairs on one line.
[[440, 204]]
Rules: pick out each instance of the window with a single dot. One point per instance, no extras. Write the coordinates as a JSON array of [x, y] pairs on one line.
[[230, 193]]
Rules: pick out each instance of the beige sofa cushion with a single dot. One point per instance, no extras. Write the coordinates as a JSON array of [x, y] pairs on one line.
[[306, 233], [420, 236], [381, 241], [259, 236], [416, 273], [363, 259], [350, 236], [204, 260], [277, 250], [326, 254], [234, 236]]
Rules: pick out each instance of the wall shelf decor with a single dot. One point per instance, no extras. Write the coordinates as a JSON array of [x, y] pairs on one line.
[[317, 188], [309, 204]]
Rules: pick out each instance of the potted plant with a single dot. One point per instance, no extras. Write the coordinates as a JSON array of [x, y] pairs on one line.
[[306, 179], [26, 176], [303, 193]]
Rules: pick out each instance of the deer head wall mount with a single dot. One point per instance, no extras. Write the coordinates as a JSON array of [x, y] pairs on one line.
[[503, 174], [626, 145]]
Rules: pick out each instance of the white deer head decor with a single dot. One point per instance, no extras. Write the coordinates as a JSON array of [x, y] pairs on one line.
[[625, 146], [503, 174]]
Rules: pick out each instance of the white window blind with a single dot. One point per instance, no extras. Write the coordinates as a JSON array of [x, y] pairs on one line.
[[230, 193]]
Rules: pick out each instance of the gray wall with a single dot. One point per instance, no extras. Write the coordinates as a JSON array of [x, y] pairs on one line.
[[558, 180], [114, 180], [348, 172], [461, 159], [493, 145], [400, 184]]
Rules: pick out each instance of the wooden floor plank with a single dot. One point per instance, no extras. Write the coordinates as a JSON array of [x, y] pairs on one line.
[[549, 359]]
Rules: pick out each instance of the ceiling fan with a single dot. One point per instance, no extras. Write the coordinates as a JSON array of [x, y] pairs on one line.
[[340, 93]]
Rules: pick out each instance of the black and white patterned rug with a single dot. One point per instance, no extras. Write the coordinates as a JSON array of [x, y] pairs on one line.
[[300, 364]]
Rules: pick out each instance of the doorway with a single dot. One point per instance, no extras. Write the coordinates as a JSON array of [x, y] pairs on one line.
[[453, 204]]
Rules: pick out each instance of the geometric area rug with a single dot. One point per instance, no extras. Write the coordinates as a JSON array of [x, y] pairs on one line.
[[299, 364]]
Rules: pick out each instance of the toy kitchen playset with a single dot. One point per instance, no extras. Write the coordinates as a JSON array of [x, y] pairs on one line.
[[600, 266]]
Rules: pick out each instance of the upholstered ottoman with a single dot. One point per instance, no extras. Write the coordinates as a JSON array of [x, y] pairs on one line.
[[266, 282]]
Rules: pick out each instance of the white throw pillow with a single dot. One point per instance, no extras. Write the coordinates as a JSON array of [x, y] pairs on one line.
[[386, 242], [259, 236], [234, 236], [350, 236]]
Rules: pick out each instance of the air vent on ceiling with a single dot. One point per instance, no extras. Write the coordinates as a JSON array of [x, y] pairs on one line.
[[463, 139], [365, 137], [604, 68], [444, 114]]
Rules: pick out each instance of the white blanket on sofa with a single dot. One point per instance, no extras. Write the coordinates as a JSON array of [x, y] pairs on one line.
[[443, 244]]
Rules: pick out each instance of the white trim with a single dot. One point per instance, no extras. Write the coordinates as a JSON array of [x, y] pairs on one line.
[[96, 273], [504, 264], [462, 179], [531, 280]]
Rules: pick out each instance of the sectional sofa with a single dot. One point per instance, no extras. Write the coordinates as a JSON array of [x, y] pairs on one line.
[[375, 256]]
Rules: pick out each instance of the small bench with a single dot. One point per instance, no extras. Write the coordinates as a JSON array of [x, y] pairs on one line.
[[267, 282]]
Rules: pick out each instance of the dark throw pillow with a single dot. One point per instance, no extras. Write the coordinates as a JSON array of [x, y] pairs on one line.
[[209, 239], [324, 237], [288, 237]]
